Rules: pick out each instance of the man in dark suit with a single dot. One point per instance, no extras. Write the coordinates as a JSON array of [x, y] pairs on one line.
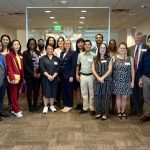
[[2, 84], [136, 51], [99, 40]]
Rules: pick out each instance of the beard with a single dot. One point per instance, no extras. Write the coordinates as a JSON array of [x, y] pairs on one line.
[[41, 47]]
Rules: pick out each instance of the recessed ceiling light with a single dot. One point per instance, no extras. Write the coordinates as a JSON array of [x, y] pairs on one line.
[[143, 6], [52, 17], [81, 22], [134, 27], [63, 2], [82, 17], [47, 11], [84, 11], [79, 27], [55, 22]]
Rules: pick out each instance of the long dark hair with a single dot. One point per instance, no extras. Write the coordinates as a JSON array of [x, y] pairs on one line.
[[11, 49], [58, 40], [2, 46], [9, 44], [78, 41], [28, 43], [115, 48], [47, 41], [99, 55]]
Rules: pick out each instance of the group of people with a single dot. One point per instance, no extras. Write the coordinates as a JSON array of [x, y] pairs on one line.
[[101, 75]]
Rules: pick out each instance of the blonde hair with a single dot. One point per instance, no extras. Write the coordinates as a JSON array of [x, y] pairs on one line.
[[71, 46]]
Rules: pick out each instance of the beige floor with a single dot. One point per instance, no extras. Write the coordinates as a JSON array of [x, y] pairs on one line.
[[71, 131]]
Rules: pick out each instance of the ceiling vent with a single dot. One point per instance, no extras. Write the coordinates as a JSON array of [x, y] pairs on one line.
[[16, 14], [120, 11]]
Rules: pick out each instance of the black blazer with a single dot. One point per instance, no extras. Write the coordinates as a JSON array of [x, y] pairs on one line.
[[68, 65], [28, 64]]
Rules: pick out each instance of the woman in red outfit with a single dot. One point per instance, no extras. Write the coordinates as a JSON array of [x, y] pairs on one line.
[[15, 75]]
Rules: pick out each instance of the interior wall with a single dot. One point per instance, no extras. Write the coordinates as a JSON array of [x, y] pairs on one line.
[[8, 30], [21, 36]]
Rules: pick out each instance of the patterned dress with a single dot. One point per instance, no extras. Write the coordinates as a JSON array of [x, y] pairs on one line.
[[102, 91], [122, 76]]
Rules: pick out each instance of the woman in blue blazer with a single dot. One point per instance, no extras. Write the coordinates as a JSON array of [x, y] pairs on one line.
[[68, 61]]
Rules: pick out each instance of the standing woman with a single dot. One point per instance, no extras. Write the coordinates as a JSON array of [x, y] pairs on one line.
[[3, 81], [49, 66], [112, 48], [32, 73], [14, 65], [51, 41], [102, 82], [123, 78], [6, 43], [79, 48], [57, 52], [60, 46], [67, 74]]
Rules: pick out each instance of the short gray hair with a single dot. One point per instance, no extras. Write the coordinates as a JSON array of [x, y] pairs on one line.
[[138, 34]]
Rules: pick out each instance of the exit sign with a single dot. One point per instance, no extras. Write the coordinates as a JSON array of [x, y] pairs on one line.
[[57, 27]]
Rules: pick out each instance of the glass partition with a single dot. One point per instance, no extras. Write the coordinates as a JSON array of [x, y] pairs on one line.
[[71, 23]]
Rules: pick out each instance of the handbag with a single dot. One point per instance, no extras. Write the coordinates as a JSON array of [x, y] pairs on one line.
[[17, 77]]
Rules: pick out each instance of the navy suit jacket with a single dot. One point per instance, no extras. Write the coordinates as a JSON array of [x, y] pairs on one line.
[[68, 65]]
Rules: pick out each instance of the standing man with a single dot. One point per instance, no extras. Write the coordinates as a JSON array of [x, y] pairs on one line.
[[99, 40], [144, 75], [85, 59], [41, 47], [136, 51]]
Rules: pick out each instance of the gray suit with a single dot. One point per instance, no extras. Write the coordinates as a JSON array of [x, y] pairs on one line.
[[136, 99]]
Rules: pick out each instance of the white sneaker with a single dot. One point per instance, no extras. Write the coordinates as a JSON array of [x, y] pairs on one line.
[[19, 114], [52, 108], [12, 112], [45, 110]]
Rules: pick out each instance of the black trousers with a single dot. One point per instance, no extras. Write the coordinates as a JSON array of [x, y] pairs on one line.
[[33, 86]]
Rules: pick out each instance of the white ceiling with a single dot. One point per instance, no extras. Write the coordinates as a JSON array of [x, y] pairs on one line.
[[118, 21]]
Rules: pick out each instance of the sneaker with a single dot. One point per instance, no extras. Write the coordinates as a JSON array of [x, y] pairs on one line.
[[45, 110], [19, 114], [52, 108]]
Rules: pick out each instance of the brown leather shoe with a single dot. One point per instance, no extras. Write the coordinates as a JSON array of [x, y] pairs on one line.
[[144, 119]]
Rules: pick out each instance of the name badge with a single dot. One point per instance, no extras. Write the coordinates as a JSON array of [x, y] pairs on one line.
[[144, 50], [90, 60], [127, 63], [55, 63], [103, 61]]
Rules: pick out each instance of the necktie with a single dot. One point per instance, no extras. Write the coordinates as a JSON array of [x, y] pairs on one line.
[[136, 58]]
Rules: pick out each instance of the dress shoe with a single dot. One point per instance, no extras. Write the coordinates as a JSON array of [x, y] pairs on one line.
[[98, 116], [92, 113], [144, 119], [67, 109], [132, 114], [63, 109], [1, 119], [139, 114], [83, 111], [104, 117], [4, 114]]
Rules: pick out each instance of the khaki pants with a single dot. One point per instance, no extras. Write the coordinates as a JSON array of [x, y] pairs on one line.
[[87, 92], [146, 95]]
